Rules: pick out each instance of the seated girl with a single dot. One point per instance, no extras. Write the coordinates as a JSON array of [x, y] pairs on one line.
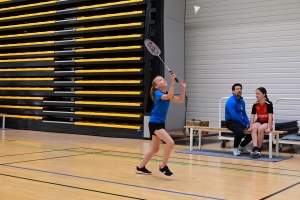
[[263, 108]]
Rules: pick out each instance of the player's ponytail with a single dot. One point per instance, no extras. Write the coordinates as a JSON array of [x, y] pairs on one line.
[[153, 89], [267, 98]]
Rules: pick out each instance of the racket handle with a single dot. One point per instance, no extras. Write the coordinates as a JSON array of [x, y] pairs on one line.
[[175, 78]]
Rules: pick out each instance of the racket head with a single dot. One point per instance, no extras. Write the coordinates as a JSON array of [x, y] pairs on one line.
[[152, 47]]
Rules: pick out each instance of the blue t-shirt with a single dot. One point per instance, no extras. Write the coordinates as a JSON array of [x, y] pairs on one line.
[[159, 112]]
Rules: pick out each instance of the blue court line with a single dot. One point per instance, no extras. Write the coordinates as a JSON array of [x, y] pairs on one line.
[[69, 186], [113, 182]]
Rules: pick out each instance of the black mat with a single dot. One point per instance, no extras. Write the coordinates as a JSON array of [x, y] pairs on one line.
[[229, 154]]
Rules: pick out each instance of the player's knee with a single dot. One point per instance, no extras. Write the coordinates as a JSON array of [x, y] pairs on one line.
[[170, 143], [261, 132], [155, 150], [261, 129]]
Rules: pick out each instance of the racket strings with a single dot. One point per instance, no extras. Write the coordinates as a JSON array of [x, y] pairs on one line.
[[152, 48]]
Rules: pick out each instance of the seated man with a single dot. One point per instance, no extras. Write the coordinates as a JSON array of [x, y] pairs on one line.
[[237, 120]]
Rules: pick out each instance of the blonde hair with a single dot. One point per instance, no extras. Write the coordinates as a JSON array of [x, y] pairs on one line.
[[153, 89]]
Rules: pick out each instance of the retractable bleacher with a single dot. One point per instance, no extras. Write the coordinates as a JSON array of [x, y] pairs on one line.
[[76, 66]]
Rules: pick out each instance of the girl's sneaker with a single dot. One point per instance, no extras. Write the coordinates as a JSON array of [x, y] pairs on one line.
[[142, 170], [165, 171], [255, 153]]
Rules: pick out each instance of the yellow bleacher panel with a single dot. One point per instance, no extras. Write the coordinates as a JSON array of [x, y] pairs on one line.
[[28, 15], [109, 92], [110, 15], [26, 69], [109, 26], [108, 49], [27, 34], [2, 1], [78, 29], [26, 79], [26, 44], [108, 59], [24, 116], [27, 60], [27, 5], [77, 40], [106, 70], [29, 24], [21, 98], [26, 88], [79, 19], [109, 4], [107, 125], [109, 81], [106, 103], [108, 38], [108, 114], [23, 107], [27, 53]]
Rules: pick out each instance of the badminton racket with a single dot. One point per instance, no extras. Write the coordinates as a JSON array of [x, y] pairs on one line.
[[155, 51]]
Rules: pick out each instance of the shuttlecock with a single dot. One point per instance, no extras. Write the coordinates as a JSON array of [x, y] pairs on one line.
[[196, 8]]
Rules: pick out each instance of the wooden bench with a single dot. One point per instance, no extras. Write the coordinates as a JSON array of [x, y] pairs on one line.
[[216, 129]]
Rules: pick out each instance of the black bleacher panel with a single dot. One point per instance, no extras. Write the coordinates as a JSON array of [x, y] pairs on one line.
[[76, 66]]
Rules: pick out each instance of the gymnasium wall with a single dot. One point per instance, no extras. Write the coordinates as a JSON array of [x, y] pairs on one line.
[[253, 42], [174, 16]]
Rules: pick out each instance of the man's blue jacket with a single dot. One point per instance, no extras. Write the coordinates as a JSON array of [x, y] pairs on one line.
[[235, 110]]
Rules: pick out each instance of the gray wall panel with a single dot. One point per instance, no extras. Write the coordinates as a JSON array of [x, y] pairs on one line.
[[174, 30], [254, 42]]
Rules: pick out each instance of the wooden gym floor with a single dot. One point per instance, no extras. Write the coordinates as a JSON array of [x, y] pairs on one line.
[[39, 165]]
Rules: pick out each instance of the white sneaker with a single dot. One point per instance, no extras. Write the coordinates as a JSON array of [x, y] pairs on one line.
[[236, 152], [243, 150]]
